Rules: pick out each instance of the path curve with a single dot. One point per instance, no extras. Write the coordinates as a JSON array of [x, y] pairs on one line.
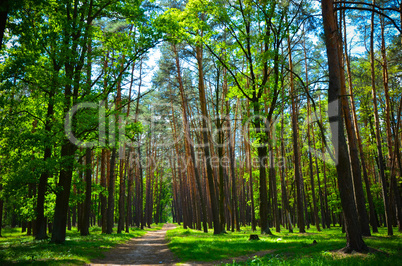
[[150, 249]]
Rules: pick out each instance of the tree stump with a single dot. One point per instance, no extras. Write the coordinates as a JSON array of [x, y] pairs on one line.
[[254, 237]]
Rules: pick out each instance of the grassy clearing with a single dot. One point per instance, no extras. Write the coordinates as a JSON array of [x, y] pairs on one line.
[[20, 249], [287, 249]]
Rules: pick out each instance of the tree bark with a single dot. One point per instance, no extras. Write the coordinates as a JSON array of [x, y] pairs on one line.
[[298, 178], [283, 169], [354, 240], [231, 148], [310, 157], [221, 136], [354, 155], [273, 186], [87, 204], [397, 159], [250, 172], [102, 196], [122, 192], [110, 199], [63, 195], [357, 133], [205, 139], [129, 190], [42, 187]]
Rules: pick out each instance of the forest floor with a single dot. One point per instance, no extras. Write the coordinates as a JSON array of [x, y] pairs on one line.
[[173, 245]]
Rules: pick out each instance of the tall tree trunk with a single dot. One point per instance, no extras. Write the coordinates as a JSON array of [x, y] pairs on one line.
[[67, 153], [397, 159], [354, 155], [231, 148], [63, 195], [147, 183], [110, 199], [273, 186], [104, 157], [130, 178], [102, 196], [298, 178], [221, 137], [129, 190], [180, 170], [357, 133], [205, 139], [391, 158], [122, 192], [310, 158], [121, 147], [87, 204], [324, 171], [140, 195], [42, 186], [283, 174], [354, 240], [262, 155], [315, 211], [250, 172], [377, 131], [188, 141]]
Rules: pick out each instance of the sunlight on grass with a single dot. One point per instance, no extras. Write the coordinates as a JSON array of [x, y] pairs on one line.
[[286, 248], [20, 249]]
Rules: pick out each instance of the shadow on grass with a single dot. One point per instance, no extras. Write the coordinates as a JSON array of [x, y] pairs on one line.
[[191, 245]]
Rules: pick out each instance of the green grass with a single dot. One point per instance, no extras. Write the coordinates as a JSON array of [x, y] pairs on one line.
[[287, 249], [20, 249]]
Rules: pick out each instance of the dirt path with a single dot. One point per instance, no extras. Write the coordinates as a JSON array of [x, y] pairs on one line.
[[151, 249]]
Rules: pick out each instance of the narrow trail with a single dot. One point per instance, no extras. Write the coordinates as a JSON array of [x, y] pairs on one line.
[[151, 249]]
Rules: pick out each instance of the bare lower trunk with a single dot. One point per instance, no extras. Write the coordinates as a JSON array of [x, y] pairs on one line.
[[110, 199], [63, 196], [87, 204]]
